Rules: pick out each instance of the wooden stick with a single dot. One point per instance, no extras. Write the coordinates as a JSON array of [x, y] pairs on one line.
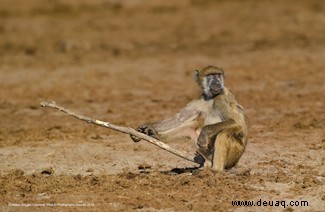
[[126, 130]]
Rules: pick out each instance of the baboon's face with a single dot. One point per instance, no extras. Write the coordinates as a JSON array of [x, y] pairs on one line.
[[212, 85], [211, 80]]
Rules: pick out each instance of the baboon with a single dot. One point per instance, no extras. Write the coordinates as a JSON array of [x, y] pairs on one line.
[[215, 122]]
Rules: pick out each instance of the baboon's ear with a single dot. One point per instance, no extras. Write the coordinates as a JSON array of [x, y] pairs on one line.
[[196, 76]]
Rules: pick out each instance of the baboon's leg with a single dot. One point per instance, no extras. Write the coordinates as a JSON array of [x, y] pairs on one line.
[[227, 152], [221, 148]]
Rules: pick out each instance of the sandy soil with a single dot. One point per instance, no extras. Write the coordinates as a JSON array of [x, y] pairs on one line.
[[131, 62]]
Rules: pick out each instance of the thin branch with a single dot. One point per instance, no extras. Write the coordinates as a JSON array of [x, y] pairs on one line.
[[126, 130]]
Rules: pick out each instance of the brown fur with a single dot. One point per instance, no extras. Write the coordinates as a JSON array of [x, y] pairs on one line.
[[216, 125]]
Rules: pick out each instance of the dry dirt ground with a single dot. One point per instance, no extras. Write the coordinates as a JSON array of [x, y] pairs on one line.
[[131, 62]]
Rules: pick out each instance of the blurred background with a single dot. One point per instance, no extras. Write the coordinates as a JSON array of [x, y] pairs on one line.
[[131, 62], [111, 56]]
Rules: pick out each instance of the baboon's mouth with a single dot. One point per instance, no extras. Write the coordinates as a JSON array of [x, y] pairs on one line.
[[216, 90]]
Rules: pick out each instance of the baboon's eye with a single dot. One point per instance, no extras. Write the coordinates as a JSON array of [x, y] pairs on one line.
[[210, 75], [214, 75]]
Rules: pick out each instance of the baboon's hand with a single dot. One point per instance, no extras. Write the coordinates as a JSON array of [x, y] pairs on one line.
[[146, 129], [203, 141], [199, 158]]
